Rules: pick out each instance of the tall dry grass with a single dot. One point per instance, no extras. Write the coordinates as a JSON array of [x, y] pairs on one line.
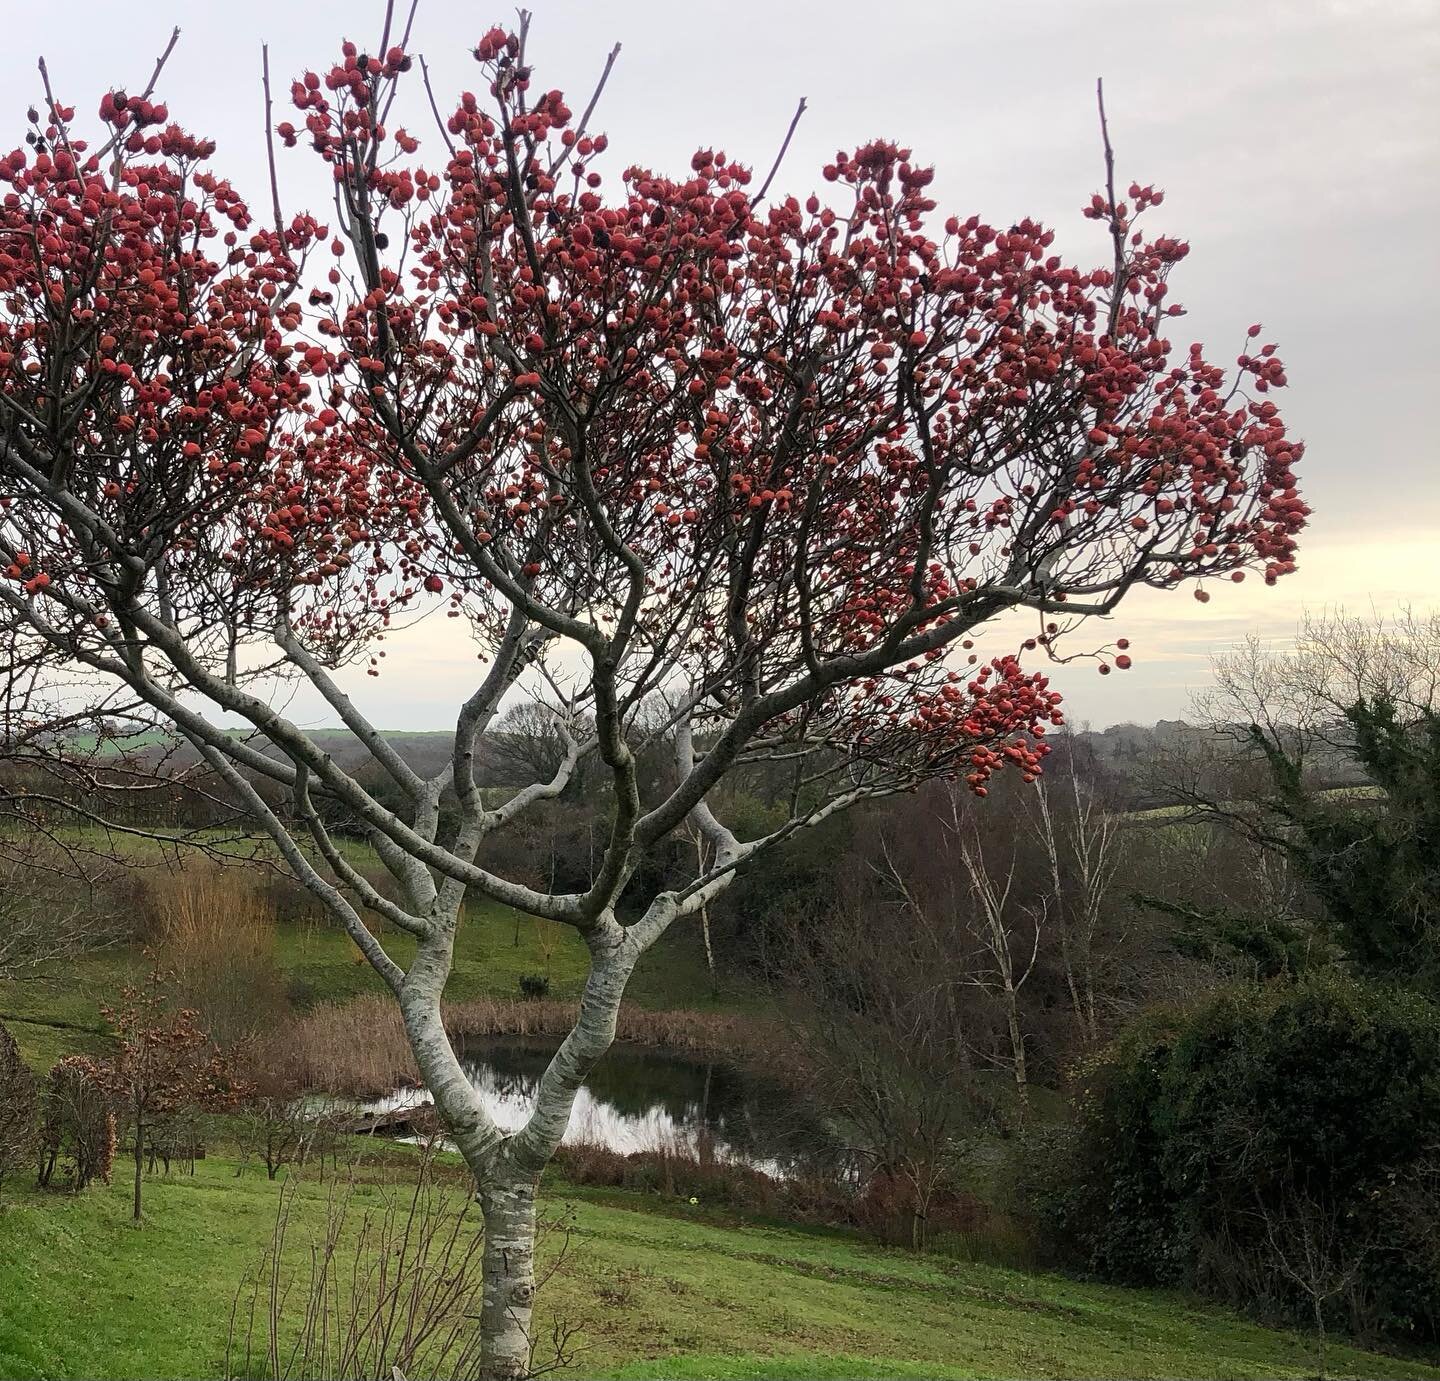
[[360, 1048], [214, 931], [685, 1032]]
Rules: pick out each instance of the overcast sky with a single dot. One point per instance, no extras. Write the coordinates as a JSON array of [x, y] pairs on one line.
[[1298, 142]]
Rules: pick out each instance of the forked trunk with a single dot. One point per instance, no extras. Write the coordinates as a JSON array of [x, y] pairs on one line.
[[509, 1276], [507, 1169]]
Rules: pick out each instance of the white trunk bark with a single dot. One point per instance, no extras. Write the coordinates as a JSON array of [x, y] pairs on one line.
[[507, 1168], [509, 1276], [475, 1134], [1017, 1050], [613, 952]]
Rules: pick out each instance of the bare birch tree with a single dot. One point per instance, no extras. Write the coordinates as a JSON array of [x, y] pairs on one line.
[[1082, 854], [998, 921]]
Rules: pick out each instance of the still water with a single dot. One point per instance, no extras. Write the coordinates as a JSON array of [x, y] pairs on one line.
[[639, 1099]]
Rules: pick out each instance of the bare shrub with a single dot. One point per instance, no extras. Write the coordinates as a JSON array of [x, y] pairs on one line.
[[17, 1107], [276, 1123], [45, 917], [1312, 1247], [880, 1204], [77, 1127], [677, 1170], [374, 1292]]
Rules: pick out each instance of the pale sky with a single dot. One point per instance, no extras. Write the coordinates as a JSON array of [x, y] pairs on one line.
[[1298, 142]]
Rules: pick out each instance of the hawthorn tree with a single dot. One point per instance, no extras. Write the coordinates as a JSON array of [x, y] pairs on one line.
[[700, 465]]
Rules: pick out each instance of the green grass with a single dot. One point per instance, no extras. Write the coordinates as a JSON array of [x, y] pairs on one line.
[[491, 952], [83, 1292]]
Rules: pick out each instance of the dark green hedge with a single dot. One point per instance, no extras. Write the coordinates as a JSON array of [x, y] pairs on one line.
[[1214, 1143]]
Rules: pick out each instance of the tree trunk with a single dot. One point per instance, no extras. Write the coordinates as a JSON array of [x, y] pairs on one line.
[[139, 1155], [507, 1169], [705, 914], [1017, 1049], [709, 952], [1076, 1004], [509, 1275]]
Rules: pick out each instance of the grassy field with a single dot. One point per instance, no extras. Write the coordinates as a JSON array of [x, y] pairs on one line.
[[84, 1292]]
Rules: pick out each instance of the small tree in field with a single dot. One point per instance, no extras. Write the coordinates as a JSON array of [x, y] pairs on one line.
[[163, 1064], [275, 1118], [701, 466]]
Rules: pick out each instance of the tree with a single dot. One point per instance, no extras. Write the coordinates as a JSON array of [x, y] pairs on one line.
[[998, 923], [1311, 1246], [1079, 837], [1338, 778], [704, 466], [163, 1065], [877, 1017]]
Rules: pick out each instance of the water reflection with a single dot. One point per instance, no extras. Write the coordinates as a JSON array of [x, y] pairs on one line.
[[639, 1099]]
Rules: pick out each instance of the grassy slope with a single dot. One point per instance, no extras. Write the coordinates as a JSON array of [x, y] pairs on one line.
[[85, 1293]]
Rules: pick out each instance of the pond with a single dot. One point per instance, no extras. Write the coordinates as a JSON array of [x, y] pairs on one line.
[[641, 1099]]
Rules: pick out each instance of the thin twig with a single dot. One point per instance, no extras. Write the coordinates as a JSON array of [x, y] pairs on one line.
[[779, 157], [405, 48], [53, 107], [149, 86], [385, 32], [1117, 231], [590, 107], [270, 141], [435, 109]]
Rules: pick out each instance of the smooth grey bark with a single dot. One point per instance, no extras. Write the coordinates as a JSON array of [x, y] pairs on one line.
[[508, 1269]]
